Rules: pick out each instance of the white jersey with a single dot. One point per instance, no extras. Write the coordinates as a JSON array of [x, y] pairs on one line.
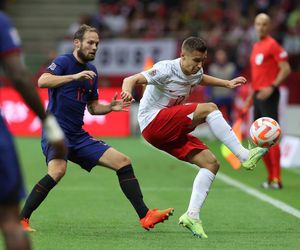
[[167, 86]]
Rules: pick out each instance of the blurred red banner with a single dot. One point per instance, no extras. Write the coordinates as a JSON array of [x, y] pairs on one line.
[[23, 122]]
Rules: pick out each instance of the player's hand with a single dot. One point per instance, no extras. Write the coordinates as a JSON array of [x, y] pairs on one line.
[[85, 75], [264, 93], [127, 96], [119, 105], [55, 136], [238, 81]]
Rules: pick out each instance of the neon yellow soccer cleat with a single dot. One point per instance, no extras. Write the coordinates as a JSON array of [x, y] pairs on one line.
[[255, 155], [195, 226]]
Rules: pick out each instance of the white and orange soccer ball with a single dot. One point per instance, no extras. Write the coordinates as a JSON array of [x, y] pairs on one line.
[[265, 132]]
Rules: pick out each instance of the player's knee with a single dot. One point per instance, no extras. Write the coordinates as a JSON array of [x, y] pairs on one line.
[[211, 107], [203, 110], [57, 175], [124, 161], [213, 166], [57, 171]]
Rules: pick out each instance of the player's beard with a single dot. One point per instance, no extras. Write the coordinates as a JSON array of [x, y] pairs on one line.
[[83, 57]]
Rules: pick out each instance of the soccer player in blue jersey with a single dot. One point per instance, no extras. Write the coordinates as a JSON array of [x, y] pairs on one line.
[[11, 184], [73, 85]]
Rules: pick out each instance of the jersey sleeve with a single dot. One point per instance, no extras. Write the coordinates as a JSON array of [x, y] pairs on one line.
[[279, 53], [9, 37], [58, 66], [158, 74]]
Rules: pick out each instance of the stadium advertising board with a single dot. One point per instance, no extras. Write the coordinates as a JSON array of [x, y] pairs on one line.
[[22, 121], [127, 56]]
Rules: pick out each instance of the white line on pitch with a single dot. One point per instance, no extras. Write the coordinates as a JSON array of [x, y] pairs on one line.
[[259, 195]]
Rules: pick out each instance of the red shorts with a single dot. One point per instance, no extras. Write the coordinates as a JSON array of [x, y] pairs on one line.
[[169, 131]]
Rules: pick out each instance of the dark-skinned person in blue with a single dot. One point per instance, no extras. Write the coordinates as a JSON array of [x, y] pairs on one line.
[[72, 83], [12, 189]]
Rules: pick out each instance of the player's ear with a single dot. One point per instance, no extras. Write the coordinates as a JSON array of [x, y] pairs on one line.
[[182, 54], [77, 43]]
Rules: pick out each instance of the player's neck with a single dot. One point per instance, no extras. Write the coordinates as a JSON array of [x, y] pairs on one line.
[[78, 58], [263, 37], [182, 68]]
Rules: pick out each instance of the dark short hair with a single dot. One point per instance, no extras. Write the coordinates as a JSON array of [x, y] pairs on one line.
[[193, 43], [79, 34]]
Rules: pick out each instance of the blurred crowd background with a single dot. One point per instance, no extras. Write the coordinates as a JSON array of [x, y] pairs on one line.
[[226, 25]]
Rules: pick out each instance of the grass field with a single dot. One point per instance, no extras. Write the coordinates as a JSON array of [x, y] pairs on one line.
[[89, 211]]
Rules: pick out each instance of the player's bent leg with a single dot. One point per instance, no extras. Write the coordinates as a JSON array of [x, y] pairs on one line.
[[114, 159], [205, 159], [131, 188], [224, 133], [56, 170], [202, 111]]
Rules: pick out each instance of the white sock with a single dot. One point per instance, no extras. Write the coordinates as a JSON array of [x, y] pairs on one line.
[[224, 133], [201, 187]]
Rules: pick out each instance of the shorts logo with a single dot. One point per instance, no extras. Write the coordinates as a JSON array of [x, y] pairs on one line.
[[259, 58], [52, 66]]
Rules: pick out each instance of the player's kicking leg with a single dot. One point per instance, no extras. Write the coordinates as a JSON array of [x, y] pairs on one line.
[[220, 128]]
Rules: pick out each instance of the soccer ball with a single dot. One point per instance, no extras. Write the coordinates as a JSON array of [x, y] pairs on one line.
[[265, 132]]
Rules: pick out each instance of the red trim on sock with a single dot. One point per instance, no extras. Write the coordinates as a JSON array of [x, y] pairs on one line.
[[130, 179], [41, 187]]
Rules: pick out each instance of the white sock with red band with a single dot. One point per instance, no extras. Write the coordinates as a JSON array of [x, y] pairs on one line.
[[224, 133], [201, 187]]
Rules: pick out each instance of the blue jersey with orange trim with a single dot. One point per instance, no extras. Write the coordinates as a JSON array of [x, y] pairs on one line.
[[68, 102]]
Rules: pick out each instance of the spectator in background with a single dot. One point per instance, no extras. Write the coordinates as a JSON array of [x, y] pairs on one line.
[[11, 183], [269, 67], [224, 69]]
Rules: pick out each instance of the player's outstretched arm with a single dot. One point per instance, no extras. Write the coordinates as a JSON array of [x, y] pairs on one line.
[[48, 80], [218, 82], [129, 83], [97, 108]]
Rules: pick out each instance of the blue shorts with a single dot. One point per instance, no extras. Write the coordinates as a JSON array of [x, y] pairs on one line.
[[83, 150], [11, 184]]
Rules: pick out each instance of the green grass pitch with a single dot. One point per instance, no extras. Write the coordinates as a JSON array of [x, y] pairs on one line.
[[89, 211]]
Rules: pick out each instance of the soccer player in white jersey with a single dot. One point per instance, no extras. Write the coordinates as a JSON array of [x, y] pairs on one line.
[[166, 120]]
